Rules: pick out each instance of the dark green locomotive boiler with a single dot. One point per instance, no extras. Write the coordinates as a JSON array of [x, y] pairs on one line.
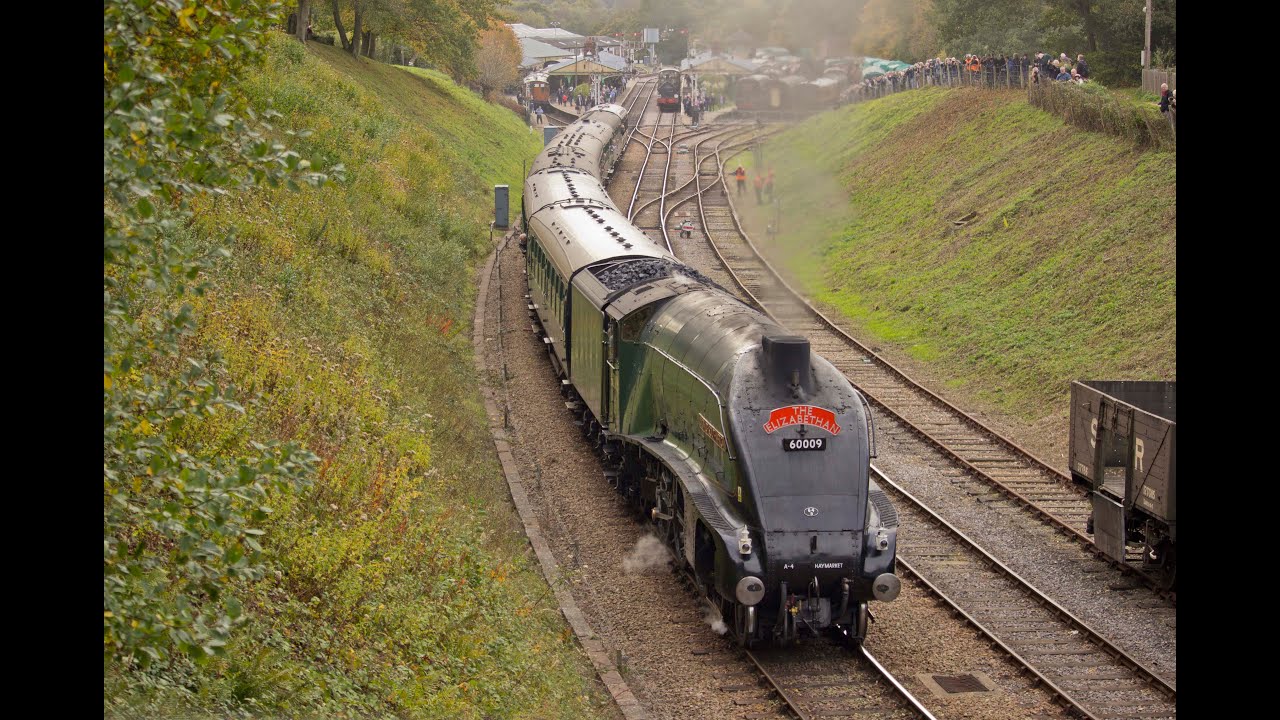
[[750, 453]]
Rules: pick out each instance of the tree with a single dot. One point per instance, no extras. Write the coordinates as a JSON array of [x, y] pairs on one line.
[[988, 26], [497, 59], [444, 32], [895, 29], [304, 20], [356, 29], [180, 520], [337, 24]]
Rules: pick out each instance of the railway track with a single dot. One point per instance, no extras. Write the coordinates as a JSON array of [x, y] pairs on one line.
[[1081, 666], [1010, 471], [557, 117], [654, 145], [652, 215], [810, 685]]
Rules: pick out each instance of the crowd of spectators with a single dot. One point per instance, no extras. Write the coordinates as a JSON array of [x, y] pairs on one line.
[[695, 104], [567, 97], [981, 70]]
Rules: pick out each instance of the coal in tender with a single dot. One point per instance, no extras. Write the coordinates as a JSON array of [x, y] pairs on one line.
[[632, 272]]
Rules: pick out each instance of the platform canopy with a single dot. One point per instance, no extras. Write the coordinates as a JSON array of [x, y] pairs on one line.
[[535, 53], [605, 64]]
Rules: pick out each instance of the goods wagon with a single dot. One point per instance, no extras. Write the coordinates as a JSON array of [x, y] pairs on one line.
[[1123, 448]]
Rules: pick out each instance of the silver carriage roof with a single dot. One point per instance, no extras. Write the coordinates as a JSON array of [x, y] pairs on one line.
[[583, 231], [582, 144], [565, 186], [569, 209]]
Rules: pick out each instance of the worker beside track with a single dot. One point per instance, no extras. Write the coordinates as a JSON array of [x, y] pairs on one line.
[[741, 175]]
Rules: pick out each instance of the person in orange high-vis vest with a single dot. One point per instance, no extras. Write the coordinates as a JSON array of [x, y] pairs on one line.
[[741, 175]]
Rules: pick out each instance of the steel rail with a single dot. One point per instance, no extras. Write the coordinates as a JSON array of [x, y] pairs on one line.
[[666, 177], [697, 177], [920, 708], [684, 136], [1064, 617], [564, 116], [634, 96], [796, 705], [648, 152]]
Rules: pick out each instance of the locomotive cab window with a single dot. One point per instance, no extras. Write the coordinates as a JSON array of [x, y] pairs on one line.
[[633, 324]]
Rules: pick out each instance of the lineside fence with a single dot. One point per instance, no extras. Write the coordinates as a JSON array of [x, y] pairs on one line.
[[1085, 105], [943, 75], [1152, 79]]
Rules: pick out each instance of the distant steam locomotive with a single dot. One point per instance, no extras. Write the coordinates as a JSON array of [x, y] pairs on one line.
[[748, 452], [669, 89]]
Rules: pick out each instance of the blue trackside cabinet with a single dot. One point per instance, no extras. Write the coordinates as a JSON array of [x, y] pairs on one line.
[[501, 205]]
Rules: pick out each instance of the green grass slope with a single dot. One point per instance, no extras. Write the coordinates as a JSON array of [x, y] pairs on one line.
[[1067, 270], [402, 584]]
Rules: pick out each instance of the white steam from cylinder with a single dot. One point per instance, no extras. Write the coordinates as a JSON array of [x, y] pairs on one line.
[[712, 618], [649, 552]]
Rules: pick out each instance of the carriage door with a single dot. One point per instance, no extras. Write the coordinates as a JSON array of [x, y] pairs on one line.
[[609, 393], [775, 97]]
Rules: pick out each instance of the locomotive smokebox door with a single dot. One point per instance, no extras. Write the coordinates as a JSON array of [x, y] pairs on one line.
[[1108, 526]]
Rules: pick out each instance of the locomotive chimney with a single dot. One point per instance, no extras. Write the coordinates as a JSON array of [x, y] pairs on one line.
[[786, 359]]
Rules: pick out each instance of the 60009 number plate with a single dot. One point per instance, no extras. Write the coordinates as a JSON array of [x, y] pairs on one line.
[[799, 444]]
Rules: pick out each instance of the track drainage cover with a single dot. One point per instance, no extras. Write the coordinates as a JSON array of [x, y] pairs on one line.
[[945, 686]]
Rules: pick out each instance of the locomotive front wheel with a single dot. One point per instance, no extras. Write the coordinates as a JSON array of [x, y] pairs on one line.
[[857, 632], [742, 630]]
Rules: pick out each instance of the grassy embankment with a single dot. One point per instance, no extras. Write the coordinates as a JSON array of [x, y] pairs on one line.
[[1068, 269], [403, 588]]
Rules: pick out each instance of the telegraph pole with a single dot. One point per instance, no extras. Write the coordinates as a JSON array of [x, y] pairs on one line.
[[1146, 48]]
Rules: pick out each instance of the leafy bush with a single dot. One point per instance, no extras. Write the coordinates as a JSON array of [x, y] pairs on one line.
[[181, 519], [513, 106], [1116, 68], [1093, 107], [400, 585]]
